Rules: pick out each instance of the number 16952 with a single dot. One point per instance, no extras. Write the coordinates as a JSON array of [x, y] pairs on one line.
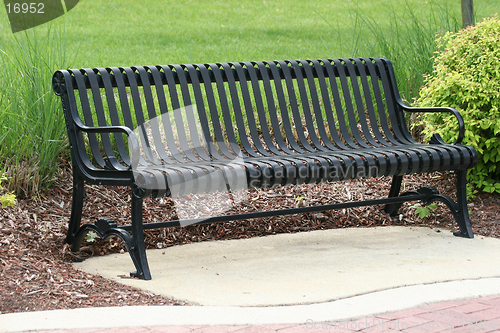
[[32, 8]]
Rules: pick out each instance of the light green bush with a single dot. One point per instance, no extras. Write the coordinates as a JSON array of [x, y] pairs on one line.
[[466, 76], [7, 199]]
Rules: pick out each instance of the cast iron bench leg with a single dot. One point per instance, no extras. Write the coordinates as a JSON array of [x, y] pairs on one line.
[[459, 209], [138, 249], [76, 208], [462, 212], [393, 209], [134, 241]]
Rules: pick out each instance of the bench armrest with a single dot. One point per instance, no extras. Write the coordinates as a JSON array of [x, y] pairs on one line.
[[132, 138], [461, 125]]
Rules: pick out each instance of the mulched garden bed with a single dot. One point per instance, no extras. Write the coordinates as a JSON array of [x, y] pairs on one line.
[[35, 264]]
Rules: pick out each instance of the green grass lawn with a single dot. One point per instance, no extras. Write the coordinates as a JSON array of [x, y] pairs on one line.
[[102, 33], [130, 32]]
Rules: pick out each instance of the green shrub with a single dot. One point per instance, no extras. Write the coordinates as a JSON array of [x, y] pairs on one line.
[[6, 199], [466, 76]]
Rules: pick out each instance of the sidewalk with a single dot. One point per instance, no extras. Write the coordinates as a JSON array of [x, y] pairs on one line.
[[475, 315], [392, 279]]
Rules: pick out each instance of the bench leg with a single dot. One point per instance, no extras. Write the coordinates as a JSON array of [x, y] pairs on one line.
[[138, 249], [462, 211], [393, 209], [459, 209], [76, 208], [105, 228]]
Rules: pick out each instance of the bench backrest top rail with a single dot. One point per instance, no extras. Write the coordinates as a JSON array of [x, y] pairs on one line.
[[138, 78]]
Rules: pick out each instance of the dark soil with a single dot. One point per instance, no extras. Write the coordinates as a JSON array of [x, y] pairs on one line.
[[35, 263]]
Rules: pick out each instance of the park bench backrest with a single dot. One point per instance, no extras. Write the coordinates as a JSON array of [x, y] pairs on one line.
[[214, 110]]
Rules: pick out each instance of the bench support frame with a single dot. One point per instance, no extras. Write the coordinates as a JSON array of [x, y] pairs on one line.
[[133, 235], [459, 209]]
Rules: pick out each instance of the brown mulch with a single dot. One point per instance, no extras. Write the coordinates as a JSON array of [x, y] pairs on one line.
[[35, 264]]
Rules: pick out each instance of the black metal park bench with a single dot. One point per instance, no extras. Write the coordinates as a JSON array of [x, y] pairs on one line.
[[186, 129]]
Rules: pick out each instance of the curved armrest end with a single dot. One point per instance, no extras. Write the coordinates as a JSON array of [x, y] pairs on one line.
[[436, 138]]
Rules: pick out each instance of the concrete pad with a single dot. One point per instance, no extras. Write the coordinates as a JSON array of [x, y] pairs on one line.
[[309, 267]]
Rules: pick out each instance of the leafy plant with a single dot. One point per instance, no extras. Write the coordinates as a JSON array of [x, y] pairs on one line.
[[7, 199], [466, 76], [91, 237], [423, 211]]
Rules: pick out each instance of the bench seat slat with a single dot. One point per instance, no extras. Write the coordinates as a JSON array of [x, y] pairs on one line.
[[323, 162]]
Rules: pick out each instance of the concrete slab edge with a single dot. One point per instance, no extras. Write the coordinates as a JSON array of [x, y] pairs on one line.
[[367, 305]]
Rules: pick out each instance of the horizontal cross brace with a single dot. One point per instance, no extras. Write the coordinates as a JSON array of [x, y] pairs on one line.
[[288, 211]]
